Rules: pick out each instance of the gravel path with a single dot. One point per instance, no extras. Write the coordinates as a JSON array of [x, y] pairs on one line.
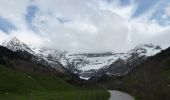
[[117, 95]]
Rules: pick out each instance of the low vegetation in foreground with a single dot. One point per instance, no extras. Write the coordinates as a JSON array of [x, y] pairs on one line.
[[15, 85]]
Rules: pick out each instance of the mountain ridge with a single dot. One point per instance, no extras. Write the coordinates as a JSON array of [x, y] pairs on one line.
[[88, 65]]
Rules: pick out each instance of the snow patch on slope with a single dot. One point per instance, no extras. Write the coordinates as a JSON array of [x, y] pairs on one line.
[[15, 44]]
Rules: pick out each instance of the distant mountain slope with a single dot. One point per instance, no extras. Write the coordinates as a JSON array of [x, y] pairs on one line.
[[42, 55], [134, 57], [128, 61], [148, 81], [24, 61]]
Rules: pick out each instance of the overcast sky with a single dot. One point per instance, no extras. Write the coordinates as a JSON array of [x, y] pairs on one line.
[[86, 25]]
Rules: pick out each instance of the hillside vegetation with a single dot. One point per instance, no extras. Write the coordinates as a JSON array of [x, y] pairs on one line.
[[16, 85], [149, 81]]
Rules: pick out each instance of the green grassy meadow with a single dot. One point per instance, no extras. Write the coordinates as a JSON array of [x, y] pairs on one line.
[[15, 85]]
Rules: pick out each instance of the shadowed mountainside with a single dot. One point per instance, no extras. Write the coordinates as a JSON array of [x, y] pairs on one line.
[[23, 61], [148, 81]]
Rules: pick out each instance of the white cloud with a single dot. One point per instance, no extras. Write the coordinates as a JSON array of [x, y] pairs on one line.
[[29, 37], [167, 10], [14, 11], [81, 27], [3, 36], [90, 26], [93, 31], [117, 8]]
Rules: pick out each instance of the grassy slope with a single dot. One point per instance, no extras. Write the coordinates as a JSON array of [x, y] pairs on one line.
[[19, 86]]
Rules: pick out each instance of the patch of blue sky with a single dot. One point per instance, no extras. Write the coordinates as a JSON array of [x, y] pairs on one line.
[[143, 6], [6, 26], [160, 16], [125, 2], [122, 2], [30, 15]]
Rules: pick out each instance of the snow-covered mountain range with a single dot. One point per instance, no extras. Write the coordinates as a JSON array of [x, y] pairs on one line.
[[88, 65], [43, 55]]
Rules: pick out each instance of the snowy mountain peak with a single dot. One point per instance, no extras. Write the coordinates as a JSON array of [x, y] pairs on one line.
[[146, 46], [145, 49], [15, 44], [15, 39], [12, 41]]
